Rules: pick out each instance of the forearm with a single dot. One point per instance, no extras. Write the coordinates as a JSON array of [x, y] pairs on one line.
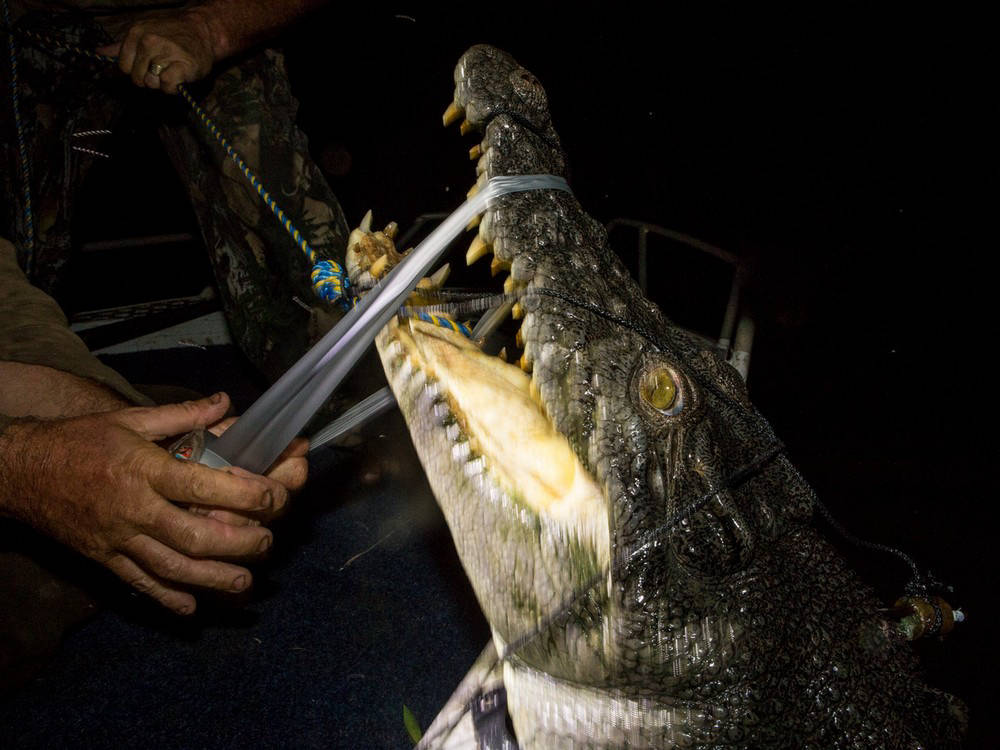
[[236, 25], [46, 393], [34, 332]]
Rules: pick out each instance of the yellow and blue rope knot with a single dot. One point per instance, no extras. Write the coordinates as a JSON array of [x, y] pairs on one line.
[[331, 283]]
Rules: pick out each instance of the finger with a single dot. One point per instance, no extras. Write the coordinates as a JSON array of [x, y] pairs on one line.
[[110, 50], [126, 56], [168, 565], [219, 427], [153, 79], [173, 75], [298, 447], [291, 473], [287, 468], [180, 602], [291, 469], [191, 483], [278, 490], [206, 537], [226, 516], [148, 46], [159, 422]]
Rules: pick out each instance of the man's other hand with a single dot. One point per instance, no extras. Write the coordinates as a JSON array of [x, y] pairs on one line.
[[101, 484], [164, 49]]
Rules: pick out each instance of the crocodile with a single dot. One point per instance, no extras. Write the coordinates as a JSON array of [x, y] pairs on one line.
[[639, 542]]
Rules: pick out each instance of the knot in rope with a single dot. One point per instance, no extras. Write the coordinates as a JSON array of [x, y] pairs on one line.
[[331, 283]]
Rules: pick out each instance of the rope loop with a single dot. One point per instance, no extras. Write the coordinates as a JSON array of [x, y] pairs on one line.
[[331, 283]]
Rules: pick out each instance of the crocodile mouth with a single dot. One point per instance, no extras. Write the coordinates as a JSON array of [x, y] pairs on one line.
[[491, 414]]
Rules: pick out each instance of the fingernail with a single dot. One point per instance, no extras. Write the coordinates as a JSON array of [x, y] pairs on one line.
[[185, 609], [265, 544], [215, 398], [268, 502], [239, 583]]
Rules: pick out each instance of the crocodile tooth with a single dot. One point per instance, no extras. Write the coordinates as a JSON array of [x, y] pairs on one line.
[[519, 338], [497, 265], [517, 312], [441, 275], [475, 152], [391, 230], [366, 222], [481, 164], [466, 127], [453, 113], [525, 363], [474, 222], [486, 226], [477, 250], [378, 266], [536, 393], [508, 285], [435, 280], [502, 354]]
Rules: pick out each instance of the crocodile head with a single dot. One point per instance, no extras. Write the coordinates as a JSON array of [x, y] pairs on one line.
[[636, 537]]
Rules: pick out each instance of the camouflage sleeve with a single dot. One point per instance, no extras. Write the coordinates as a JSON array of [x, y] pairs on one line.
[[34, 330], [262, 274]]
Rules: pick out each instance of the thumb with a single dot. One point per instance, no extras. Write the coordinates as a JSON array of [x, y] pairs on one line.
[[174, 419]]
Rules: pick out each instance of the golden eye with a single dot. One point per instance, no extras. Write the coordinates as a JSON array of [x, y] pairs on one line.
[[658, 388]]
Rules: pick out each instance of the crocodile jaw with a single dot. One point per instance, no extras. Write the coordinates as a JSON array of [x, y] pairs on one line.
[[500, 471]]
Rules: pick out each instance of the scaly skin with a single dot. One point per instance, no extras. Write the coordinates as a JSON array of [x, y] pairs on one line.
[[719, 617]]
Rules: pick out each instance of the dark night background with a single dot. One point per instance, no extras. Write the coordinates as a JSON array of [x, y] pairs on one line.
[[842, 156]]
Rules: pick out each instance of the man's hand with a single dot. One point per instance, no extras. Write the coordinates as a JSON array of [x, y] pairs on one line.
[[165, 49], [100, 484], [290, 470]]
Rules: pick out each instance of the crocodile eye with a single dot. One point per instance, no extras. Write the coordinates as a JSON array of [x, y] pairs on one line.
[[658, 388]]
